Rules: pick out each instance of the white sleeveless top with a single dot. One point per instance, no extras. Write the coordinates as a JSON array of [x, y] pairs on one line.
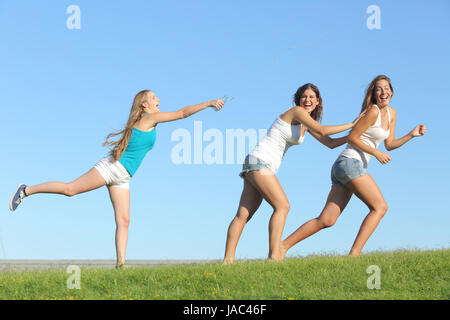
[[373, 136], [280, 137]]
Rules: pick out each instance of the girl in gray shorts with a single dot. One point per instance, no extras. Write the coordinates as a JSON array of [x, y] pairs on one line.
[[348, 174]]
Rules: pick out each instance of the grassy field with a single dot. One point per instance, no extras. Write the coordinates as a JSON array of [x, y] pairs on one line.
[[403, 275]]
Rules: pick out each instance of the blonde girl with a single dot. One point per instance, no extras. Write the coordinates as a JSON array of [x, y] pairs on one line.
[[115, 171], [349, 173]]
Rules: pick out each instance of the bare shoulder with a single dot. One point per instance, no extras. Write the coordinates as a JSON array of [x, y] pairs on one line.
[[370, 116], [289, 114], [289, 111], [296, 110], [146, 123], [392, 110], [372, 111]]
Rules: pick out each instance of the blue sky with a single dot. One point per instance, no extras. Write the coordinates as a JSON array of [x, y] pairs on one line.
[[62, 91]]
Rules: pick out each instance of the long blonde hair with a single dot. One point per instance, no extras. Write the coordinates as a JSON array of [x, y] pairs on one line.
[[369, 98], [135, 115]]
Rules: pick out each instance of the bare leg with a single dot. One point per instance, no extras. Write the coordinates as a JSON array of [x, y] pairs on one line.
[[249, 203], [268, 186], [338, 199], [367, 190], [120, 199], [89, 181]]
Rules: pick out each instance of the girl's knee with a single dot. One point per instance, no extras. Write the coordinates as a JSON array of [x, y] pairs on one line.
[[283, 208], [244, 215], [326, 222], [286, 207], [380, 210], [123, 221], [385, 208]]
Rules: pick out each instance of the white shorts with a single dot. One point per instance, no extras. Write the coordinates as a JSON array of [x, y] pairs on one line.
[[114, 173]]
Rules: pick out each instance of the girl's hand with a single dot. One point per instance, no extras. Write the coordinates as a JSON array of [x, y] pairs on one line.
[[418, 130], [217, 104], [383, 157]]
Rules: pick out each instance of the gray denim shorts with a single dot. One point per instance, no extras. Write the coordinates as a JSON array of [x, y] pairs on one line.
[[252, 163], [345, 170]]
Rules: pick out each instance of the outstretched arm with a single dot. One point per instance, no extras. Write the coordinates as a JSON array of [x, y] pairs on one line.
[[154, 118], [330, 130], [391, 143], [302, 116]]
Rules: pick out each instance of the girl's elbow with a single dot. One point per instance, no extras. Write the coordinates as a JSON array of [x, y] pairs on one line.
[[182, 114], [351, 140], [330, 143], [388, 145]]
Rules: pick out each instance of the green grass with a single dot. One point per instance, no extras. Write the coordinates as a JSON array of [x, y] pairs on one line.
[[404, 275]]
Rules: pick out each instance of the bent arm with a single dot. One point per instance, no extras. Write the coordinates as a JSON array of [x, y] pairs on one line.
[[302, 116], [391, 143], [354, 137]]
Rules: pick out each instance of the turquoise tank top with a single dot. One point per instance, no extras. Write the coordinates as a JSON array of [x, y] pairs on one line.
[[140, 143]]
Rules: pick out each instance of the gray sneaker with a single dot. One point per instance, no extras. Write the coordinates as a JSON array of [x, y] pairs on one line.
[[17, 197]]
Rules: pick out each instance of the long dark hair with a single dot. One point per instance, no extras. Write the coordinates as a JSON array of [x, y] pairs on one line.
[[317, 113]]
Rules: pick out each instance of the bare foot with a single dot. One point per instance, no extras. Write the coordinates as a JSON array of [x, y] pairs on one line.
[[275, 257], [283, 250], [355, 254], [227, 262]]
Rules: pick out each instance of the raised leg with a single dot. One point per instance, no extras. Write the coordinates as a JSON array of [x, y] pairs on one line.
[[89, 181]]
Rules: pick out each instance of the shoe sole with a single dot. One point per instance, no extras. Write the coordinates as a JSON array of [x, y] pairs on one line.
[[12, 198]]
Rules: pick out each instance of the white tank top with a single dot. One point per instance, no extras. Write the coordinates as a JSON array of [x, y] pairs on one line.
[[276, 142], [373, 136]]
